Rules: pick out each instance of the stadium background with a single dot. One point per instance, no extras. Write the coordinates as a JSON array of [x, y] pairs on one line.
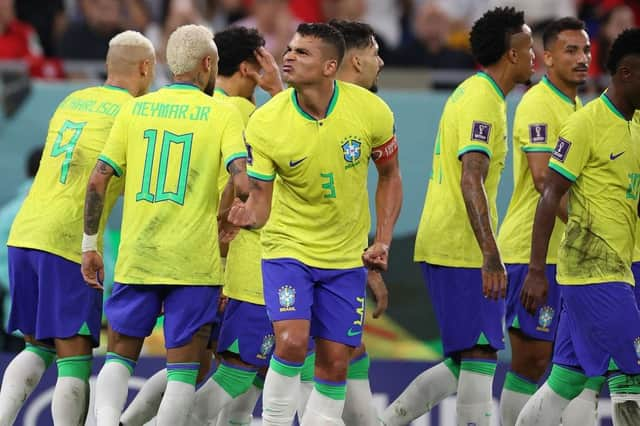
[[405, 340]]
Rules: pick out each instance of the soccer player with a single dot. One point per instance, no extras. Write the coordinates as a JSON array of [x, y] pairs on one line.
[[169, 143], [312, 246], [538, 120], [455, 244], [51, 306], [597, 159]]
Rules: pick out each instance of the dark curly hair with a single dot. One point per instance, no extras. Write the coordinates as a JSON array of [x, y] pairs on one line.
[[327, 34], [554, 28], [490, 34], [235, 45], [627, 43], [357, 35]]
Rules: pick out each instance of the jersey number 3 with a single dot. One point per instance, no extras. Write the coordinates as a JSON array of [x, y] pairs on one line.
[[161, 193], [65, 147]]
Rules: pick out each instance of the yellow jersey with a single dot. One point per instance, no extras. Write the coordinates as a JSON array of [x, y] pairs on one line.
[[474, 120], [538, 120], [51, 218], [170, 143], [320, 212], [596, 153]]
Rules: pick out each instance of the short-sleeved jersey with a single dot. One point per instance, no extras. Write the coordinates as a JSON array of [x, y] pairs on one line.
[[51, 218], [170, 143], [635, 134], [474, 120], [320, 212], [596, 152], [538, 120]]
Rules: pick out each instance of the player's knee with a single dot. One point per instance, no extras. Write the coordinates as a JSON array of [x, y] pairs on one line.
[[293, 346], [332, 368], [531, 365]]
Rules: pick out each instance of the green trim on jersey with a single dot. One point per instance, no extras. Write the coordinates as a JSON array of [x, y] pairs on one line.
[[185, 86], [567, 174], [474, 148], [528, 149], [557, 91], [330, 108], [221, 91], [112, 87], [116, 169], [492, 81], [234, 157], [611, 106], [260, 176]]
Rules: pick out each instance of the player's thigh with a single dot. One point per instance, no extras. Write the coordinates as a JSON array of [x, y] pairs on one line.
[[74, 346], [188, 309], [529, 357]]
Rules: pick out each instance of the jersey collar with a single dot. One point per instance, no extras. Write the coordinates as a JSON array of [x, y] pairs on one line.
[[112, 87], [493, 83], [221, 91], [330, 108], [611, 106], [180, 85], [557, 91]]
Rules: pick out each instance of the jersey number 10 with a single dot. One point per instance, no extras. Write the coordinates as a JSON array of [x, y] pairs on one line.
[[161, 194]]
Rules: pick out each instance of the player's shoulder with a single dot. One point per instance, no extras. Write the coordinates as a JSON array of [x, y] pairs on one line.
[[478, 93], [360, 98], [274, 107]]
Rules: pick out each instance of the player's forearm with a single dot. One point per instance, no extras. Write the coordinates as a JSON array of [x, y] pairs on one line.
[[543, 223], [94, 199], [475, 200], [259, 202], [238, 172], [563, 208], [388, 204]]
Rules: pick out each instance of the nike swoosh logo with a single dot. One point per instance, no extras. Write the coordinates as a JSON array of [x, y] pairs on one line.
[[613, 156], [352, 333], [295, 163]]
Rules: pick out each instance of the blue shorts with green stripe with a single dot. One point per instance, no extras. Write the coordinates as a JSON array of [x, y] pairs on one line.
[[542, 325], [49, 298], [466, 318]]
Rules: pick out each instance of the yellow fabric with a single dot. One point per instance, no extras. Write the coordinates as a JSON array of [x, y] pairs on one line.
[[320, 211], [170, 142], [538, 120], [52, 216], [597, 152], [474, 120]]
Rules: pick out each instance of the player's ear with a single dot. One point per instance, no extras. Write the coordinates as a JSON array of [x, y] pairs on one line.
[[206, 63], [548, 59], [331, 67], [355, 61]]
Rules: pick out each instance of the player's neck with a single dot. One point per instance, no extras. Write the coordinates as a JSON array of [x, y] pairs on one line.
[[616, 96], [315, 99], [501, 77], [229, 86], [122, 83], [569, 90]]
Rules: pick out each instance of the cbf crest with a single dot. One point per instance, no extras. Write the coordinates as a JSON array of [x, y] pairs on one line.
[[352, 151], [636, 345], [545, 318], [287, 298], [266, 347]]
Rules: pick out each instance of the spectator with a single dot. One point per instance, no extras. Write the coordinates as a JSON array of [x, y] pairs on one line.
[[384, 16], [613, 22], [429, 47], [539, 11], [7, 214], [47, 17]]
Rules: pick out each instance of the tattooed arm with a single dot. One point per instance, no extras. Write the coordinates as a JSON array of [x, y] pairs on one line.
[[92, 266], [238, 171], [475, 167]]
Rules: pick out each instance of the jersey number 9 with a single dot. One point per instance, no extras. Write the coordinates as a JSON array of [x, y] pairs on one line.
[[69, 128]]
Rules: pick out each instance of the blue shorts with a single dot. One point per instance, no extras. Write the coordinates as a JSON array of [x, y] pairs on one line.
[[332, 299], [466, 318], [49, 298], [635, 269], [132, 310], [247, 331], [599, 322], [215, 329], [542, 325]]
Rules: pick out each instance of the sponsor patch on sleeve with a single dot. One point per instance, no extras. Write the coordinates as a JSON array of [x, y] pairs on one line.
[[249, 150], [538, 133], [480, 131], [562, 149], [386, 151]]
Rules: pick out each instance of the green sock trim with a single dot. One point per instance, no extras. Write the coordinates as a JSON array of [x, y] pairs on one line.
[[595, 383], [487, 368], [284, 369], [46, 354], [622, 383], [258, 382], [482, 340], [566, 382], [333, 391], [75, 366], [453, 366], [234, 380], [359, 370], [182, 375], [308, 368], [114, 357], [84, 330], [515, 383]]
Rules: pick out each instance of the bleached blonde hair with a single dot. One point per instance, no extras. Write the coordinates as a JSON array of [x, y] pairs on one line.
[[131, 39], [186, 47]]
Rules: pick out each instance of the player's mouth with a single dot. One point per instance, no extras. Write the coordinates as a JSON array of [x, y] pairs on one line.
[[287, 68], [581, 70]]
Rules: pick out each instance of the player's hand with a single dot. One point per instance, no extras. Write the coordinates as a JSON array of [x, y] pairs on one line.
[[269, 79], [376, 257], [226, 230], [93, 269], [379, 292], [222, 303], [241, 216], [494, 278], [534, 290]]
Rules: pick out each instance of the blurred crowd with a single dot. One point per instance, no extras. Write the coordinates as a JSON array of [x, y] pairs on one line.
[[412, 33]]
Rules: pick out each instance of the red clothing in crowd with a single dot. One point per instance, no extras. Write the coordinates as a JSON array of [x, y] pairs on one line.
[[20, 42]]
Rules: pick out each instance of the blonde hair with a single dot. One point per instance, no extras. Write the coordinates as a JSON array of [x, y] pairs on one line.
[[131, 39], [187, 46], [126, 50]]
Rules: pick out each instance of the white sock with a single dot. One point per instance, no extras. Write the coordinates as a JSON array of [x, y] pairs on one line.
[[305, 392], [279, 398], [145, 405], [582, 410], [21, 376], [424, 392], [544, 408], [112, 387], [240, 411], [358, 405], [626, 409], [475, 403], [176, 403], [70, 401], [209, 400], [511, 403], [322, 410]]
